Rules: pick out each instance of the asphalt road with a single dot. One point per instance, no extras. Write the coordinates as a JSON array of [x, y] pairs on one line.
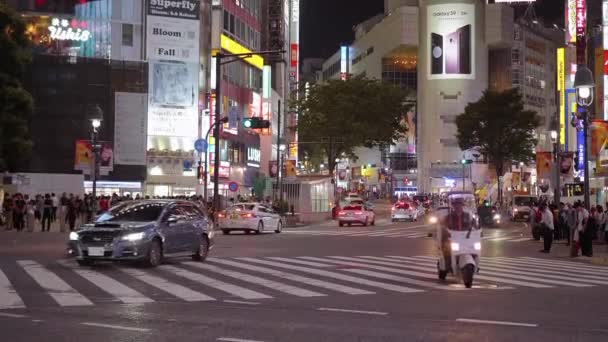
[[316, 283]]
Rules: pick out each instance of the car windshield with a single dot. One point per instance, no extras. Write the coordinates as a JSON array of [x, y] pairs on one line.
[[134, 212], [523, 201], [241, 207]]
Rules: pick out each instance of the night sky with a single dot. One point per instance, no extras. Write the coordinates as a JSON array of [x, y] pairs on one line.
[[327, 23]]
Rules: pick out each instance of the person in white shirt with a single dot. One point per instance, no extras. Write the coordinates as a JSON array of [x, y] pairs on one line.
[[547, 226], [55, 202], [582, 216]]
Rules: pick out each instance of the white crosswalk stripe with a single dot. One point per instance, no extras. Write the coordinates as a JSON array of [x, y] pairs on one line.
[[402, 232], [120, 291], [9, 299], [225, 279], [58, 289]]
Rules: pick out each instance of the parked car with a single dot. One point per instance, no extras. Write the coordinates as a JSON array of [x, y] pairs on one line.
[[404, 211], [146, 231], [250, 217], [356, 213]]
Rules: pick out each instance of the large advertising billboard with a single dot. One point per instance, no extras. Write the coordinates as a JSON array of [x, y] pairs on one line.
[[172, 49], [450, 31]]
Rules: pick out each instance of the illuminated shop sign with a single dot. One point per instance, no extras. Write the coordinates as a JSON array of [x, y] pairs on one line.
[[343, 62], [253, 157], [63, 29], [236, 48]]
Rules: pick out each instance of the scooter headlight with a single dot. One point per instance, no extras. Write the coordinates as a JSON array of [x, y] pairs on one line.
[[477, 246], [455, 246], [497, 217], [74, 236], [433, 219]]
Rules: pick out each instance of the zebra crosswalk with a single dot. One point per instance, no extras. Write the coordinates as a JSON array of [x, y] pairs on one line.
[[31, 283]]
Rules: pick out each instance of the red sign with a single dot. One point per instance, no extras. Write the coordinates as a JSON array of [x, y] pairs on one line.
[[294, 55], [605, 63], [581, 23]]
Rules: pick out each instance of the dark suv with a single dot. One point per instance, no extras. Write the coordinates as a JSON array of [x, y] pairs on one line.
[[145, 231]]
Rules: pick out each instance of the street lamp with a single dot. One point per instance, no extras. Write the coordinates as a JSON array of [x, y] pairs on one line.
[[584, 84], [95, 115]]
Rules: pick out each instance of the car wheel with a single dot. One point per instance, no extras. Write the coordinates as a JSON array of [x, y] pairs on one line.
[[86, 262], [365, 224], [260, 228], [374, 222], [341, 224], [203, 250], [279, 227], [155, 254], [226, 231]]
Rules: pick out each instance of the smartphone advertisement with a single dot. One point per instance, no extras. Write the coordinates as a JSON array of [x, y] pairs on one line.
[[451, 45]]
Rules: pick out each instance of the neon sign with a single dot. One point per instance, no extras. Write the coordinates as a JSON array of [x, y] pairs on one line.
[[63, 29]]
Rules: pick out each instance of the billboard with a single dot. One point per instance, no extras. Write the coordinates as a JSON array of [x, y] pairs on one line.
[[570, 21], [172, 47], [130, 128], [84, 158], [561, 87], [451, 45]]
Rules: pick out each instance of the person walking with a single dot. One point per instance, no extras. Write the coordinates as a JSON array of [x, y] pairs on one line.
[[570, 223], [19, 208], [39, 207], [7, 206], [71, 212], [582, 216], [63, 209], [587, 233], [547, 226], [47, 213], [30, 216], [55, 201]]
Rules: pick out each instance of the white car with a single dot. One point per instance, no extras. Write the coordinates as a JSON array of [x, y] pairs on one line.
[[403, 211], [356, 214], [250, 217]]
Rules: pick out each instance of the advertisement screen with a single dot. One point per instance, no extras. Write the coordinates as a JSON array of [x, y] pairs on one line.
[[450, 41]]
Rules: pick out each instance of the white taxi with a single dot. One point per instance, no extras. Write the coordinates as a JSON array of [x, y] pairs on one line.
[[404, 211], [356, 213], [249, 217]]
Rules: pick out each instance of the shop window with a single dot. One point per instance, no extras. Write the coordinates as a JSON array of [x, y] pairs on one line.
[[127, 34], [226, 21], [232, 23]]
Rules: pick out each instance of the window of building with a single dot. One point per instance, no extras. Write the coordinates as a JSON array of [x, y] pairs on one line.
[[319, 197], [232, 23], [127, 34], [226, 21], [400, 71]]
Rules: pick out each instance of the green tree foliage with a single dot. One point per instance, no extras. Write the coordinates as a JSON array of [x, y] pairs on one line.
[[337, 116], [498, 127], [16, 104]]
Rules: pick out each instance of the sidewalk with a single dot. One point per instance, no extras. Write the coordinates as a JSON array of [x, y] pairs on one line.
[[560, 251]]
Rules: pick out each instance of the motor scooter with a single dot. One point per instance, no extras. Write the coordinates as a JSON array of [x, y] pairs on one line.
[[464, 249]]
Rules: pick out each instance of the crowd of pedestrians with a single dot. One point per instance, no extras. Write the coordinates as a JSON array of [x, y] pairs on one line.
[[572, 223], [21, 212]]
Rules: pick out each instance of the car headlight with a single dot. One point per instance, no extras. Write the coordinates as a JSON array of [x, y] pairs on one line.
[[515, 210], [455, 246], [133, 236], [477, 246], [497, 216], [74, 236], [433, 220]]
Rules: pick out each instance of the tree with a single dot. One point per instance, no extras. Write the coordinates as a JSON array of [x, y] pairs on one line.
[[16, 104], [337, 116], [498, 127]]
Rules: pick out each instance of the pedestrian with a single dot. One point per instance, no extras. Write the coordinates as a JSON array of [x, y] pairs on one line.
[[587, 233], [55, 201], [30, 216], [19, 208], [570, 224], [72, 212], [7, 206], [562, 222], [582, 216], [39, 207], [547, 226], [63, 209], [47, 213]]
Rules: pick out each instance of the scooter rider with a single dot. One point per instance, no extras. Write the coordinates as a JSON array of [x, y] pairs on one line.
[[458, 220]]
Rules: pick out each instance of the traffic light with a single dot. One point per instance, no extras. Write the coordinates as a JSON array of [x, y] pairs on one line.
[[256, 123]]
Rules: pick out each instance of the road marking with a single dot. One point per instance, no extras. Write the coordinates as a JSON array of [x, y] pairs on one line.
[[521, 239], [499, 239], [426, 265], [10, 315], [271, 284], [478, 321], [9, 299], [220, 285], [123, 293], [543, 273], [61, 292], [570, 264], [339, 276], [389, 276], [376, 313], [111, 326], [563, 268], [240, 302], [176, 290], [294, 277], [302, 262], [231, 339]]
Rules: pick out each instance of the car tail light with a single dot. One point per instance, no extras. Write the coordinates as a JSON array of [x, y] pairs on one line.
[[247, 215], [393, 209], [221, 215], [358, 213], [341, 213]]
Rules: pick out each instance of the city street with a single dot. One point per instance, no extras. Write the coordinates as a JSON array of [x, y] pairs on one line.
[[318, 282]]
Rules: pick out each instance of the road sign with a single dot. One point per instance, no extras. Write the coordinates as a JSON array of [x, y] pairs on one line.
[[200, 145], [233, 186]]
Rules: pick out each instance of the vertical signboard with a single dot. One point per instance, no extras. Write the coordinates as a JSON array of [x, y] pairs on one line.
[[581, 25], [598, 75], [172, 48], [130, 128], [580, 148], [570, 21], [451, 51], [294, 38], [605, 42], [344, 62], [561, 85]]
